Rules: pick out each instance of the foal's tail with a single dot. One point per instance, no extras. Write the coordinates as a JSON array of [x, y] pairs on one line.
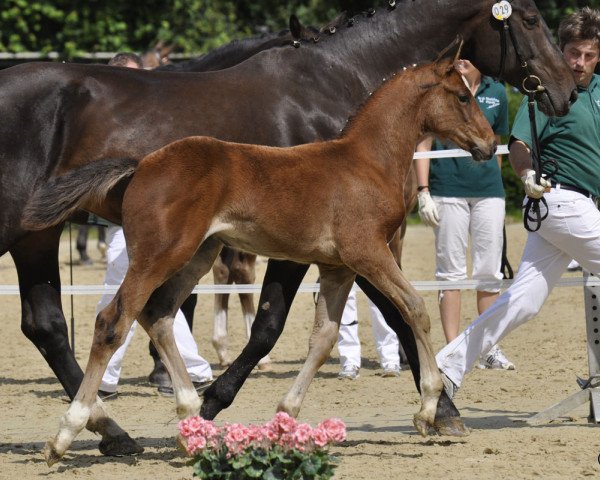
[[57, 199]]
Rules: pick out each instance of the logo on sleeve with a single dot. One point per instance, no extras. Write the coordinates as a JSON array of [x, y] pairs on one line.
[[489, 102]]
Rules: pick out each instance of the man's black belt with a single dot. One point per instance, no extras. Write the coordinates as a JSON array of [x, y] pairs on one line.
[[572, 188]]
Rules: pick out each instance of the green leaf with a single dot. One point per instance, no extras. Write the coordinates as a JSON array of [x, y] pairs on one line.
[[253, 472]]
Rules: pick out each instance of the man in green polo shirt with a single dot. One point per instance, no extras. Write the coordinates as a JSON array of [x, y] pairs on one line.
[[572, 228]]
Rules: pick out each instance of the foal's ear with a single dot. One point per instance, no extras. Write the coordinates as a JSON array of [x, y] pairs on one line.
[[449, 56]]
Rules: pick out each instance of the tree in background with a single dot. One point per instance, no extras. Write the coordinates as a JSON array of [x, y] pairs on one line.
[[71, 27]]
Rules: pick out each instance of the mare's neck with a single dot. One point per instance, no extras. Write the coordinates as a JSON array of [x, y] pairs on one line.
[[376, 47]]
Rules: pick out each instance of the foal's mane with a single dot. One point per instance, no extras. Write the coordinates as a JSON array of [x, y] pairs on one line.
[[380, 95]]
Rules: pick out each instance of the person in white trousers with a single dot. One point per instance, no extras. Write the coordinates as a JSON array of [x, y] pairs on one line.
[[349, 348], [198, 368], [572, 228], [460, 200]]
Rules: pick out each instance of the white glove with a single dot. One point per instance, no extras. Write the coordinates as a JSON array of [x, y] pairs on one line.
[[532, 189], [427, 209]]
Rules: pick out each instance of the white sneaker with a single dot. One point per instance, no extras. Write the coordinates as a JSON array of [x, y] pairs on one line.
[[495, 360], [349, 372], [574, 266], [449, 386], [391, 370]]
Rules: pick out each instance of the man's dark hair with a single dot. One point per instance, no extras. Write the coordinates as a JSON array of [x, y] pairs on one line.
[[584, 24], [122, 59]]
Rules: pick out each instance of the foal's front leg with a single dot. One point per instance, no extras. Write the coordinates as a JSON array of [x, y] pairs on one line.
[[375, 262], [334, 289]]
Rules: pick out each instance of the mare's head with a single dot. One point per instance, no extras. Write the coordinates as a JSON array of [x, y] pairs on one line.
[[526, 39], [450, 111]]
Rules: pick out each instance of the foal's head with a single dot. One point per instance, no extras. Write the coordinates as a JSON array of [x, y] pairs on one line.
[[449, 110]]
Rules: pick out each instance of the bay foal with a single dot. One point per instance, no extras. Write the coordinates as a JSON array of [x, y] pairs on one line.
[[301, 203]]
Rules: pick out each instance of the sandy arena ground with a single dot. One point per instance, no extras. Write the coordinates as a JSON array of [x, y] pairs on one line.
[[382, 443]]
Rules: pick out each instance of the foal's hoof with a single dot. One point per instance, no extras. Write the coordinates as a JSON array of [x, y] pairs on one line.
[[120, 446], [50, 454], [452, 426], [421, 424]]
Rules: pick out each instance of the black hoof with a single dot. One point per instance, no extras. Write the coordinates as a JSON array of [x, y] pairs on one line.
[[120, 446], [159, 377], [451, 426]]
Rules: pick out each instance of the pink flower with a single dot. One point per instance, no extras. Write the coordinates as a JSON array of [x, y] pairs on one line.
[[256, 435], [335, 429], [190, 426], [284, 423], [302, 434], [320, 437], [195, 443]]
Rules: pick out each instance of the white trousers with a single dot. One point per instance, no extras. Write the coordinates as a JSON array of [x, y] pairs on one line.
[[386, 340], [116, 267], [572, 230], [481, 218]]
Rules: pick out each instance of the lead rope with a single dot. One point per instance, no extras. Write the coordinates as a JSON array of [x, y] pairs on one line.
[[533, 215], [71, 273]]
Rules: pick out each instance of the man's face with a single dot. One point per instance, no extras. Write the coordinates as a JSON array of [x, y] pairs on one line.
[[582, 56], [130, 64]]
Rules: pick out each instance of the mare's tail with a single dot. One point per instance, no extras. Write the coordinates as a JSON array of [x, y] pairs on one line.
[[57, 199]]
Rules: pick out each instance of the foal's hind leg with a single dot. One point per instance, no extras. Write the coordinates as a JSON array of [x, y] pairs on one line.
[[114, 321], [334, 289], [157, 319], [112, 324], [36, 260]]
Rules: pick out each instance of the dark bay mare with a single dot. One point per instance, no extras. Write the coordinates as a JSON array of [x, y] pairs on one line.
[[190, 210], [57, 117]]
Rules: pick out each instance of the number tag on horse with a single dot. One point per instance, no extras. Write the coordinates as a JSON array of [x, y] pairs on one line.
[[502, 10]]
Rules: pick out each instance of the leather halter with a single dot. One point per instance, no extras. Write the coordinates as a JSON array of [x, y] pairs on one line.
[[532, 85]]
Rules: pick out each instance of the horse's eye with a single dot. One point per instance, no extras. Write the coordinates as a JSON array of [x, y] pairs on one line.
[[464, 98], [531, 21]]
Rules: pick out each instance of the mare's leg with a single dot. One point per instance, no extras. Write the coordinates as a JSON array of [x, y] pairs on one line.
[[244, 273], [334, 289], [377, 264], [280, 285], [42, 322], [447, 417], [221, 270]]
